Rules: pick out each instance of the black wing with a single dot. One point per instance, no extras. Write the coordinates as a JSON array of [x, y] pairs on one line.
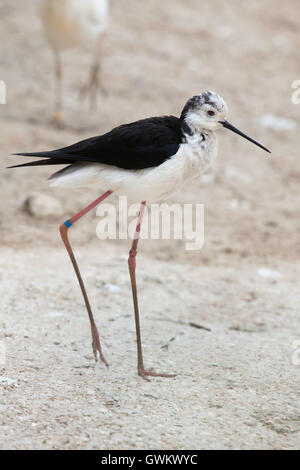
[[138, 145]]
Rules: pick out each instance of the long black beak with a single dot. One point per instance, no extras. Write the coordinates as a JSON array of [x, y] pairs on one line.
[[234, 129]]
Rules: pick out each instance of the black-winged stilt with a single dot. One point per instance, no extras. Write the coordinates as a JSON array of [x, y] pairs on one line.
[[70, 24], [146, 160]]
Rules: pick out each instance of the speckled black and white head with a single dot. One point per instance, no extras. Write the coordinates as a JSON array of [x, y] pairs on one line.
[[207, 112], [204, 112]]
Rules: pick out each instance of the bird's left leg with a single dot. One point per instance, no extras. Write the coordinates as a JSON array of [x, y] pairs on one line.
[[64, 235], [95, 81], [132, 266]]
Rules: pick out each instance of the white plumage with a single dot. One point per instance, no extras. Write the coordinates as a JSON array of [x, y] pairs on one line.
[[193, 158], [147, 159], [71, 24], [201, 117]]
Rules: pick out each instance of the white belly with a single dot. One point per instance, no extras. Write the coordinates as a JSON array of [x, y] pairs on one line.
[[69, 23], [151, 184]]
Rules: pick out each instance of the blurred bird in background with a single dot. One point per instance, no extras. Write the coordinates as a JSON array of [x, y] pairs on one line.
[[71, 24]]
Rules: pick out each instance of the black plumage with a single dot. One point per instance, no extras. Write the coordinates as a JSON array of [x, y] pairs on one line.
[[141, 144]]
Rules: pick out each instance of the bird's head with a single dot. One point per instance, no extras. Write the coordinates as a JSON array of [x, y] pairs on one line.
[[204, 112], [208, 112]]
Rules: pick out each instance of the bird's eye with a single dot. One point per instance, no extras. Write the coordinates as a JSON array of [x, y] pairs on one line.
[[211, 113]]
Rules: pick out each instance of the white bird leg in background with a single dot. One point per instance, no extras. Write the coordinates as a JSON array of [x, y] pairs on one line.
[[58, 89], [95, 82], [72, 24]]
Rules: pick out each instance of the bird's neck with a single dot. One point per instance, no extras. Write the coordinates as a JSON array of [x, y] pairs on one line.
[[201, 149], [190, 131]]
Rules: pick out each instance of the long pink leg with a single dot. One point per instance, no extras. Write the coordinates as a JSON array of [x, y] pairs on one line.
[[132, 267], [64, 235]]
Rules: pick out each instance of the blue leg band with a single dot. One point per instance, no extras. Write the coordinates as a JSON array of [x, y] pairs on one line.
[[68, 224]]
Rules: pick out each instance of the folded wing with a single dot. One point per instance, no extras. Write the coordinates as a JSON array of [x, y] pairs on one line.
[[138, 145]]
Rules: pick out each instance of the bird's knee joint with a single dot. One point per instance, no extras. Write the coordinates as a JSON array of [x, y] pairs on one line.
[[132, 253], [132, 256], [64, 227], [68, 224]]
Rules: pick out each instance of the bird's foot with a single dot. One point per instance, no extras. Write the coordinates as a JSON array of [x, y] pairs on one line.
[[97, 348], [144, 373]]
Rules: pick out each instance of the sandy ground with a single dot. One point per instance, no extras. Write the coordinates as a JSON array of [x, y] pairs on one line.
[[237, 383]]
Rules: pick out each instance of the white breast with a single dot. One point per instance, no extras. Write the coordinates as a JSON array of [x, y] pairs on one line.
[[69, 23], [151, 184]]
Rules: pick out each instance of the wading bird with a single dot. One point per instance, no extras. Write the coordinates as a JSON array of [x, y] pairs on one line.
[[145, 160], [70, 24]]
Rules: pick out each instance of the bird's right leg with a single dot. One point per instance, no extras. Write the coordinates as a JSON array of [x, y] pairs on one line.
[[132, 267], [64, 235]]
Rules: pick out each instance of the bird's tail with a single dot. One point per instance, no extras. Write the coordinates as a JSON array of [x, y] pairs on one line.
[[48, 159]]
